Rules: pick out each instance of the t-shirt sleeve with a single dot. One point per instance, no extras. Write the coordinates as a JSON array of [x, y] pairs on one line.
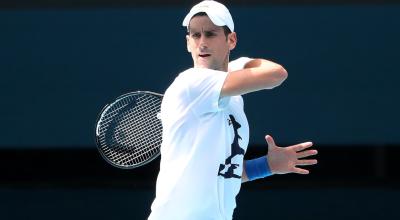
[[238, 64], [204, 88]]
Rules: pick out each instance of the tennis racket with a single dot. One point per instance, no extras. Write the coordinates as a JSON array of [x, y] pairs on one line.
[[129, 130]]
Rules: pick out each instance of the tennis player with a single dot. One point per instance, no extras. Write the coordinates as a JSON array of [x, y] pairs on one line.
[[205, 130]]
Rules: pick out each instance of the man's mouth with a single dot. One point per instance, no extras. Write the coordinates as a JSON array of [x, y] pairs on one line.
[[204, 55]]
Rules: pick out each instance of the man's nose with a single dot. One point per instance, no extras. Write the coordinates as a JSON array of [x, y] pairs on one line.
[[203, 42]]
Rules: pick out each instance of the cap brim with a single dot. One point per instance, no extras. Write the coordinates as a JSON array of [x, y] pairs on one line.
[[215, 19]]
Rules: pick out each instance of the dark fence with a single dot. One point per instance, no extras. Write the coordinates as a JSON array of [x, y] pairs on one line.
[[59, 67]]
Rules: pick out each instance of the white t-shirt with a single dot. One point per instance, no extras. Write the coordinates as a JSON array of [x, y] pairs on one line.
[[204, 142]]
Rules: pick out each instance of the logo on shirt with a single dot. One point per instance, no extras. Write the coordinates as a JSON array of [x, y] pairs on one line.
[[227, 170]]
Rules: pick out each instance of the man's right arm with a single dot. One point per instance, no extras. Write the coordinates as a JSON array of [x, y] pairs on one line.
[[256, 75]]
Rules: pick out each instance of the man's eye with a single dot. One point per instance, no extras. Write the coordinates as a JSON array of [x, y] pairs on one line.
[[210, 34], [196, 35]]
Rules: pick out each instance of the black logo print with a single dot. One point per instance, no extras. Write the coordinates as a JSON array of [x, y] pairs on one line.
[[227, 170]]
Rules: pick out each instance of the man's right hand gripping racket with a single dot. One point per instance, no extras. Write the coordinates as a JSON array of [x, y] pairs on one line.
[[129, 130]]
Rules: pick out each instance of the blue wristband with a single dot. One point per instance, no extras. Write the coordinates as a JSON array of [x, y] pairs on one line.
[[257, 168]]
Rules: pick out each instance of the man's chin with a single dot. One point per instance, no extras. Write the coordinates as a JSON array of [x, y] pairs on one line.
[[206, 65], [203, 65]]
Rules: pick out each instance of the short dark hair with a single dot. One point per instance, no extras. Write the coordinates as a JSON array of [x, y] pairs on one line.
[[227, 31]]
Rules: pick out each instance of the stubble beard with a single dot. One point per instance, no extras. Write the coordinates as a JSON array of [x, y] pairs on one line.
[[215, 65]]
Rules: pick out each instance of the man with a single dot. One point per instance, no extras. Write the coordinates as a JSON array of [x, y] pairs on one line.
[[205, 130]]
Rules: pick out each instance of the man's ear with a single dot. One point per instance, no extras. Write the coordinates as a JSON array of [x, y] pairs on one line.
[[232, 40], [187, 44]]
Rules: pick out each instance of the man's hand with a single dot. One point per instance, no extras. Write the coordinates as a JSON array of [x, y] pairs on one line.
[[282, 160]]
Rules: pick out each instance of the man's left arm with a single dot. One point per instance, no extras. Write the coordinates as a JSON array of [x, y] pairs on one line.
[[279, 160]]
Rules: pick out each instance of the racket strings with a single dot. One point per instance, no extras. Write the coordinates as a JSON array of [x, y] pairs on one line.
[[139, 128], [137, 131], [125, 154]]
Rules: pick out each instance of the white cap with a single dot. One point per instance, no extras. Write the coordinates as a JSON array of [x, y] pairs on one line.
[[216, 11]]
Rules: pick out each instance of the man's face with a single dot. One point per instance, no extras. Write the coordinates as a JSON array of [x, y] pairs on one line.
[[208, 44]]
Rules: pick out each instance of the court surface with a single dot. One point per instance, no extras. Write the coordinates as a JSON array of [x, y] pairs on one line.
[[102, 203]]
